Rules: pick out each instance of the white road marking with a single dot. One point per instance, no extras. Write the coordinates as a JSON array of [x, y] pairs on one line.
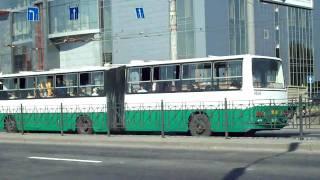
[[60, 159]]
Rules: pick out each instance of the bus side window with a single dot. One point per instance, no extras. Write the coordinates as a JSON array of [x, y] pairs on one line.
[[91, 83], [139, 80], [22, 88]]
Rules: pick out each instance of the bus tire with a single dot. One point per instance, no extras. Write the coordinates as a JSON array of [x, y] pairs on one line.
[[199, 125], [84, 125], [250, 133], [10, 124]]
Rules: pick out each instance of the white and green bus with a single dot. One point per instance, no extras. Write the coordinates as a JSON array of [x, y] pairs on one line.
[[243, 93], [31, 100]]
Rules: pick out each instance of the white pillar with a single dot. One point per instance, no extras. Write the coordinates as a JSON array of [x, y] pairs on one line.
[[250, 27], [173, 30]]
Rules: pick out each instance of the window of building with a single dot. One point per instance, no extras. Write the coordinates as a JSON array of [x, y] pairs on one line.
[[265, 34], [60, 20]]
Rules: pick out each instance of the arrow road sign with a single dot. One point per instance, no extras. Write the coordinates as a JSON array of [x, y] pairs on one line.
[[74, 13], [33, 14], [140, 13]]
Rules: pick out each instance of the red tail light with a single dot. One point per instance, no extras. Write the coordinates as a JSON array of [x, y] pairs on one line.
[[259, 114]]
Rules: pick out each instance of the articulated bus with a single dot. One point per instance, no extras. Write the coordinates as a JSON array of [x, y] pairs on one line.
[[243, 93]]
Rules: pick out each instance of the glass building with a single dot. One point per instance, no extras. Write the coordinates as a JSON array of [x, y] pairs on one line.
[[114, 31]]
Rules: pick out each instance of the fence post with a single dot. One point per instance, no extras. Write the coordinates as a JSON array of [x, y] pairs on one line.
[[293, 111], [300, 118], [61, 119], [21, 119], [108, 119], [226, 133], [162, 119], [309, 112]]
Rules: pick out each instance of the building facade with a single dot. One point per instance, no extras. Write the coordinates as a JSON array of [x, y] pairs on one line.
[[118, 31]]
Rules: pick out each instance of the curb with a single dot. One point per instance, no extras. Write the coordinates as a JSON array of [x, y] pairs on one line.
[[170, 142]]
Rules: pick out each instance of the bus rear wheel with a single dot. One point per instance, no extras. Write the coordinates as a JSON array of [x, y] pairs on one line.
[[84, 125], [10, 124], [199, 125]]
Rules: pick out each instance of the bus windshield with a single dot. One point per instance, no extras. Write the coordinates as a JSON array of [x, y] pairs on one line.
[[267, 73]]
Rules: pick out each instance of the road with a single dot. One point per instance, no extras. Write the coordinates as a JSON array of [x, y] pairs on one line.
[[31, 161], [290, 133]]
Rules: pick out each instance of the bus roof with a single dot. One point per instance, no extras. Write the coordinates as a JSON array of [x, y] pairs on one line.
[[59, 71], [210, 58], [133, 64]]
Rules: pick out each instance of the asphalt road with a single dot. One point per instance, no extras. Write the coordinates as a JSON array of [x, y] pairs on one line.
[[30, 161], [290, 133]]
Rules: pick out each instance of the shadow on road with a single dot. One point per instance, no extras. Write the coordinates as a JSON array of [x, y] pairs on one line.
[[236, 173]]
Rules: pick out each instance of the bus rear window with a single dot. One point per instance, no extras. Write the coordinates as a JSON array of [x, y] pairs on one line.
[[267, 73]]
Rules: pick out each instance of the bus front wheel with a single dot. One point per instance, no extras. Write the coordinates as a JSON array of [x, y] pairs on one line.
[[10, 124], [84, 125], [199, 125]]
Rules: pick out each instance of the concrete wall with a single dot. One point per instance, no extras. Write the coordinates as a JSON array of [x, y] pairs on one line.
[[142, 39], [77, 54]]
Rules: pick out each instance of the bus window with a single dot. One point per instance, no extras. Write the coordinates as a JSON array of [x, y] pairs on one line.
[[139, 80], [45, 86], [166, 78], [22, 83], [98, 84], [267, 73], [228, 75], [30, 90], [3, 93], [10, 85], [196, 77], [91, 84], [66, 85], [27, 87], [22, 87]]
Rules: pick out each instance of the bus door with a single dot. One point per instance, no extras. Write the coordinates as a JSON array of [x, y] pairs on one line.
[[115, 91]]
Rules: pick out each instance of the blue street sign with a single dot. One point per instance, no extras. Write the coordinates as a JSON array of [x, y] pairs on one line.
[[74, 13], [140, 13], [310, 79], [33, 14]]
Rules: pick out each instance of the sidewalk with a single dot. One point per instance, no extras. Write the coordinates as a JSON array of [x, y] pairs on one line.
[[169, 142]]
